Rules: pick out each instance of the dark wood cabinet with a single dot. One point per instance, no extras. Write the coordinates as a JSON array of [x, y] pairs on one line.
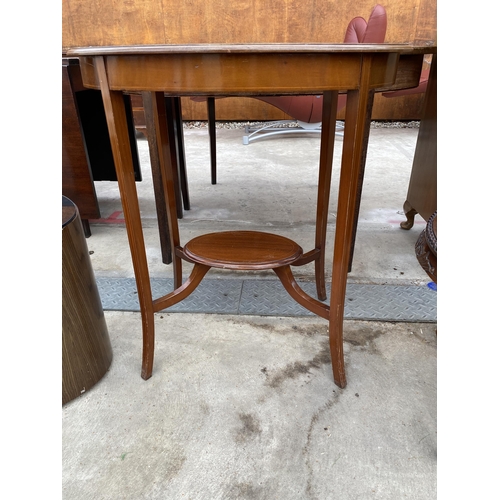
[[86, 148], [422, 189]]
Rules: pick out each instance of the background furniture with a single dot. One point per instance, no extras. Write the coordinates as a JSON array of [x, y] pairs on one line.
[[422, 188], [86, 150], [86, 348], [306, 110], [426, 248], [87, 156], [177, 157]]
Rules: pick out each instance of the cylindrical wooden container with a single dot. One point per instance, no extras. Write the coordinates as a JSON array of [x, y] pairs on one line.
[[86, 348]]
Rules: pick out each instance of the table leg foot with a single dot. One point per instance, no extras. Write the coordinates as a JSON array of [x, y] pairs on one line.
[[338, 367], [336, 335], [339, 376], [148, 344]]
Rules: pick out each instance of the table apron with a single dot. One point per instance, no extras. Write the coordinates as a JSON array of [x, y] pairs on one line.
[[245, 74]]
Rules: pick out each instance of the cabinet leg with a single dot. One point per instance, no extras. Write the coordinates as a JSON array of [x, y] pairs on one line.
[[410, 213]]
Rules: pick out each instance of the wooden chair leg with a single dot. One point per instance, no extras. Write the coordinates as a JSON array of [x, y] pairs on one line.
[[212, 134], [119, 134]]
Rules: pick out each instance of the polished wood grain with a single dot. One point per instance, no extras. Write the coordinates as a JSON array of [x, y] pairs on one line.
[[140, 22], [86, 348], [183, 291], [243, 250], [358, 70], [250, 250], [252, 70], [286, 277], [116, 118]]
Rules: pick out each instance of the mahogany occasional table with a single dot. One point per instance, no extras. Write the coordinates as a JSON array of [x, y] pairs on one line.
[[239, 70]]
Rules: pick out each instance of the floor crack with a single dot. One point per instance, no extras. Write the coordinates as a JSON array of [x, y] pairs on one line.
[[306, 449]]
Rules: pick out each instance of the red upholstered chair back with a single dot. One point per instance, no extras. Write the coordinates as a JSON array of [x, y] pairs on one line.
[[373, 31], [309, 109], [360, 31]]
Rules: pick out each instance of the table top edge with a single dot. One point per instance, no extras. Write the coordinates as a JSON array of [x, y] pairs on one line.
[[249, 48]]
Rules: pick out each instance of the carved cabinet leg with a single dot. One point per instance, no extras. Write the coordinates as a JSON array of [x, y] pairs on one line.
[[410, 213]]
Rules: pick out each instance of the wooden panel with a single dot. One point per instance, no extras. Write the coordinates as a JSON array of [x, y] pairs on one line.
[[426, 28], [138, 22], [252, 73], [112, 22], [98, 23]]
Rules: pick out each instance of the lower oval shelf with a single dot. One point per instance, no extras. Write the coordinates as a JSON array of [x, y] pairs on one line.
[[245, 250]]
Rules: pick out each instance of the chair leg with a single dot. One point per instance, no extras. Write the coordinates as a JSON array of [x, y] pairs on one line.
[[211, 132]]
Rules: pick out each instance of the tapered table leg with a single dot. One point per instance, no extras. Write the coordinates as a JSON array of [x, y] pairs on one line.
[[354, 134], [330, 100], [168, 169], [119, 137]]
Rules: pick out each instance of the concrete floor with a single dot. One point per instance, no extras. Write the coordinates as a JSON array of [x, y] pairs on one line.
[[245, 406]]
